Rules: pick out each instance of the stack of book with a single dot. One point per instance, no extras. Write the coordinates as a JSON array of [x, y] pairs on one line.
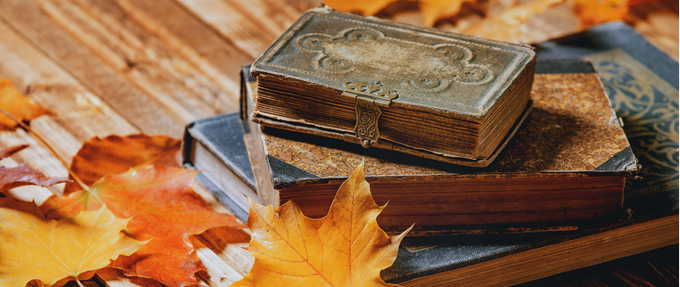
[[512, 169]]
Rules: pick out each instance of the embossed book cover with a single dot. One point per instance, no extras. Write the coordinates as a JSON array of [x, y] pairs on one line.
[[377, 83], [567, 163]]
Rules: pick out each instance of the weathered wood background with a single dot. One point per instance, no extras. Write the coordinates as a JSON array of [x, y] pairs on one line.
[[128, 66]]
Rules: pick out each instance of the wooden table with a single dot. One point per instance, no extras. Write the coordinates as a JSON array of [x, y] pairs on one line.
[[127, 66]]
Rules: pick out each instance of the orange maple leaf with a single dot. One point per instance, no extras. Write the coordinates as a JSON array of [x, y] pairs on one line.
[[114, 154], [593, 12], [163, 208], [367, 8], [154, 193], [344, 248], [19, 106]]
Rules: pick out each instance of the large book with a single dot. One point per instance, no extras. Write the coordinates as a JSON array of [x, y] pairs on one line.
[[484, 260], [481, 259], [382, 84], [567, 163]]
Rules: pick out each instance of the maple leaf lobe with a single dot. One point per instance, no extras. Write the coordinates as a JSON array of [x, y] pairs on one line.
[[344, 248], [49, 250], [163, 208]]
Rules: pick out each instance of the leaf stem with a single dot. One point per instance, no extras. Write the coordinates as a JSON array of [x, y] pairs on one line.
[[62, 160], [78, 281]]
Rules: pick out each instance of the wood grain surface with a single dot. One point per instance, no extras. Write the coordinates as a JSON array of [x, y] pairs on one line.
[[126, 66]]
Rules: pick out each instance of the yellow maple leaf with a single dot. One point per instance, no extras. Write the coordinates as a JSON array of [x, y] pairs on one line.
[[19, 106], [433, 10], [367, 8], [344, 248], [57, 251], [593, 12]]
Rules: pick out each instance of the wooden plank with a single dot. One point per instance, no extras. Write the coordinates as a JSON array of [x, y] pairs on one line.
[[188, 37], [135, 53], [221, 249], [251, 25], [111, 277], [250, 32], [90, 70], [35, 156], [26, 193], [81, 114], [658, 23]]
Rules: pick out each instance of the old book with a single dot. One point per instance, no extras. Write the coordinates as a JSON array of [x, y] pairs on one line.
[[215, 146], [484, 260], [377, 83], [567, 163], [495, 259]]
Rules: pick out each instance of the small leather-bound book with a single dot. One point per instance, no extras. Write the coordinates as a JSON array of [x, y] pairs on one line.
[[421, 91]]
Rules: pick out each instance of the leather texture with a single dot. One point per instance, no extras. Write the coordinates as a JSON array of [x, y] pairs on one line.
[[564, 66], [641, 82]]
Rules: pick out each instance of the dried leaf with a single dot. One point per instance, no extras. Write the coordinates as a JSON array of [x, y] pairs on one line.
[[593, 12], [115, 154], [19, 106], [367, 8], [433, 10], [49, 250], [11, 150], [507, 25], [344, 248], [23, 175], [164, 207]]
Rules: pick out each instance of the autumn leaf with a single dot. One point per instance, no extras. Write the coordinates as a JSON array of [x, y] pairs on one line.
[[114, 154], [367, 8], [19, 106], [23, 175], [12, 150], [433, 10], [163, 206], [344, 248], [49, 250], [506, 26], [593, 12]]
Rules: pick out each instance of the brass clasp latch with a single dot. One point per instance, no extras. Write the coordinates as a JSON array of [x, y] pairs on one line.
[[369, 97]]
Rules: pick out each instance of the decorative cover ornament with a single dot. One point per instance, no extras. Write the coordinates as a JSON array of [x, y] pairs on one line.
[[368, 97]]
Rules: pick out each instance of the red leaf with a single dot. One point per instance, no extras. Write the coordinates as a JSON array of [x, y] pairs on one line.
[[115, 154], [23, 175], [11, 150]]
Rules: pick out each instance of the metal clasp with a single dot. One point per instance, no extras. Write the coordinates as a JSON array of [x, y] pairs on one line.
[[369, 97]]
